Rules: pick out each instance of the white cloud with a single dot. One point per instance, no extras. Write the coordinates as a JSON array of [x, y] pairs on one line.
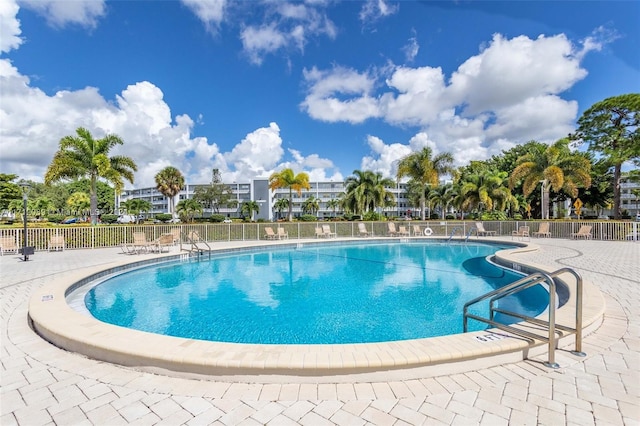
[[258, 153], [411, 49], [289, 27], [210, 12], [384, 158], [9, 26], [59, 14], [372, 10]]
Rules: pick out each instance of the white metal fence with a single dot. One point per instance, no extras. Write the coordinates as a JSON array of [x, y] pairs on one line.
[[114, 236]]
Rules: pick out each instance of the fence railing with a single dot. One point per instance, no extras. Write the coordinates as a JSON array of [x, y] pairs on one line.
[[114, 236]]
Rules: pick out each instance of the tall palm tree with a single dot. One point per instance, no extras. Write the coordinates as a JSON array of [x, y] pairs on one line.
[[287, 179], [280, 205], [169, 182], [333, 204], [557, 166], [83, 156], [367, 190], [421, 167]]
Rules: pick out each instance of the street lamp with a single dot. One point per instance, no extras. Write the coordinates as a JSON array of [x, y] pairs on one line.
[[25, 192]]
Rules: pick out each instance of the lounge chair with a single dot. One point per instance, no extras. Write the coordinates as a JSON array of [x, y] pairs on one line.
[[583, 232], [417, 232], [326, 229], [521, 233], [362, 230], [282, 234], [139, 244], [543, 230], [56, 242], [403, 231], [8, 244], [165, 241], [391, 229], [319, 233], [269, 234], [481, 232], [175, 233]]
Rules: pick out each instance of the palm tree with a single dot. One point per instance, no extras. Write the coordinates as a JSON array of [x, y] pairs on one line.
[[135, 206], [443, 196], [333, 204], [169, 182], [78, 202], [188, 208], [280, 205], [556, 166], [83, 156], [249, 207], [367, 190], [287, 179], [486, 189], [422, 168], [311, 205]]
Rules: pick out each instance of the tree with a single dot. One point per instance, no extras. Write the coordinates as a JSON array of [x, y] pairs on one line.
[[280, 205], [287, 179], [612, 128], [136, 206], [333, 204], [422, 168], [311, 205], [443, 195], [8, 190], [83, 156], [557, 166], [249, 207], [78, 203], [188, 209], [366, 190], [488, 189], [169, 182], [215, 195]]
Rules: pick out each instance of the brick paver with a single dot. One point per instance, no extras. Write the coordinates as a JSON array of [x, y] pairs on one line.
[[41, 384]]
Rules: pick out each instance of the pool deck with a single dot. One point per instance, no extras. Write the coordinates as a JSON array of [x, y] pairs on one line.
[[41, 384]]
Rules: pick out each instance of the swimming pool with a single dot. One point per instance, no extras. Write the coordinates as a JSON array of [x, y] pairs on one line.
[[312, 294]]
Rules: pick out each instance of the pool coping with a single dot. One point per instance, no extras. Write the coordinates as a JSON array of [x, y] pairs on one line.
[[54, 320]]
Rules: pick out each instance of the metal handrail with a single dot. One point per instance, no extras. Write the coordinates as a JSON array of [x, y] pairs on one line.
[[473, 228], [522, 284], [453, 231], [194, 245]]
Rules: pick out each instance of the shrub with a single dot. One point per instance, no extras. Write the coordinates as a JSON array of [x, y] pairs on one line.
[[435, 216], [372, 216], [216, 218], [450, 217], [109, 218], [517, 216], [164, 217], [55, 218], [307, 218]]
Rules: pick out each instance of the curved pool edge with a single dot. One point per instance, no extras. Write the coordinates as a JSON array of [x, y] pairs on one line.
[[53, 319]]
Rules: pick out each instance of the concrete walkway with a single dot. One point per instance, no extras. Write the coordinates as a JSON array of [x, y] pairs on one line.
[[42, 385]]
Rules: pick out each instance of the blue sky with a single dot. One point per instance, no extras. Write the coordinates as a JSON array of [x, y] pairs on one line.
[[324, 87]]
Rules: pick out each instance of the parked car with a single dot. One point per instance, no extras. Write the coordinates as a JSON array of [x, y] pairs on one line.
[[71, 220], [126, 218], [227, 220]]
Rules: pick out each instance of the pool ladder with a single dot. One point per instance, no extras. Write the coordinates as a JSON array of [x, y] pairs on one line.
[[194, 247], [550, 325], [457, 228]]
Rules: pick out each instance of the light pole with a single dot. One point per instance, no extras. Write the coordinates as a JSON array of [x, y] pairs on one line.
[[25, 192]]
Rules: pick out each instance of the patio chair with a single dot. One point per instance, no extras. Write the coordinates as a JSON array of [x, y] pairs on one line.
[[362, 230], [521, 233], [391, 229], [269, 234], [417, 232], [583, 232], [139, 244], [165, 241], [403, 231], [543, 230], [481, 232], [56, 242], [282, 234], [327, 231], [319, 232], [8, 244], [175, 233]]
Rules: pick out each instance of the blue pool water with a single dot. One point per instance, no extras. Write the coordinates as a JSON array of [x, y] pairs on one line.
[[317, 294]]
